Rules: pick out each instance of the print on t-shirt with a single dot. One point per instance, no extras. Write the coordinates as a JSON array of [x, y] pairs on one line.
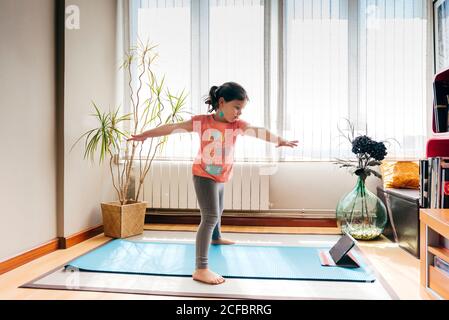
[[213, 151], [217, 139]]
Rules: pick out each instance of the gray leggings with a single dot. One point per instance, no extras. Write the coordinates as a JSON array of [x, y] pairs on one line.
[[210, 199]]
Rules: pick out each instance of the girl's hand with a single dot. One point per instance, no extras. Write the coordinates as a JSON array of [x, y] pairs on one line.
[[285, 143], [137, 137]]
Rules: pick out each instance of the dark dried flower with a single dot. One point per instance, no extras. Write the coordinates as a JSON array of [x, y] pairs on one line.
[[362, 144], [369, 153], [379, 151]]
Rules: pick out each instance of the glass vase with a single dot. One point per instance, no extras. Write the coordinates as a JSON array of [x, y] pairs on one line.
[[361, 213]]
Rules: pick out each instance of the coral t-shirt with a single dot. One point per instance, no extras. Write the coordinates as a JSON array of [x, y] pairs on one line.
[[215, 158]]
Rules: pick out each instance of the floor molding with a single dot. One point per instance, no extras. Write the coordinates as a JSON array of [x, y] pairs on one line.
[[67, 242], [29, 256], [49, 247]]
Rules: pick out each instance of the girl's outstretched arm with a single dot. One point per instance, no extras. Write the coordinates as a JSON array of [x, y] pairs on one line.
[[265, 134], [164, 130]]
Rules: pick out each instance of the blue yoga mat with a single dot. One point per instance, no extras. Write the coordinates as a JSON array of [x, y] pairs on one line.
[[231, 261]]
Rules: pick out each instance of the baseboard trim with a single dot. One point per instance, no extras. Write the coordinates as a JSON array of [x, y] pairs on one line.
[[29, 256], [51, 246], [67, 242], [244, 221]]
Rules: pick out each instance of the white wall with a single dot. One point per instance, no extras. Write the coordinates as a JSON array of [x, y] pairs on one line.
[[27, 125], [28, 168], [90, 71], [312, 185]]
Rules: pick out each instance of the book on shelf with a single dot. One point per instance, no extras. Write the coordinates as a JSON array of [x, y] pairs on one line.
[[441, 105], [440, 112], [445, 187], [434, 182], [441, 265], [424, 183]]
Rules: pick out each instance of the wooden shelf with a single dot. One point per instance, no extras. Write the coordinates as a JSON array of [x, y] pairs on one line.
[[439, 282], [434, 225], [437, 219], [440, 252]]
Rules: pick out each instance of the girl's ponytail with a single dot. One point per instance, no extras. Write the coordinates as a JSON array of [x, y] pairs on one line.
[[228, 91], [212, 99]]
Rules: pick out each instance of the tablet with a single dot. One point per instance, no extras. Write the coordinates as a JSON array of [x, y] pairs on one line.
[[340, 251]]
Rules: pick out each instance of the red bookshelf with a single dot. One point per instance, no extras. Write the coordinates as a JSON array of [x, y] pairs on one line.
[[438, 144], [434, 223]]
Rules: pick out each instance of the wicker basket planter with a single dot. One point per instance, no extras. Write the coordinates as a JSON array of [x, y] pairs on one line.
[[123, 221]]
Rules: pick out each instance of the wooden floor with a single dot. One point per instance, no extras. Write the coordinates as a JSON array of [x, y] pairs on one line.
[[399, 268]]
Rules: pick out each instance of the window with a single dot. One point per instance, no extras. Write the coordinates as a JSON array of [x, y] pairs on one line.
[[306, 64]]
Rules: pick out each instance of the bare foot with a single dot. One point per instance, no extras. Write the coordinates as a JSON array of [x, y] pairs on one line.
[[222, 241], [207, 276]]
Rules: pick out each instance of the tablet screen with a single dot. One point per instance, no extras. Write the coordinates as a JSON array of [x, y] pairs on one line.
[[342, 247]]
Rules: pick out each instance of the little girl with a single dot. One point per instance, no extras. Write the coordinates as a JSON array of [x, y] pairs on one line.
[[213, 164]]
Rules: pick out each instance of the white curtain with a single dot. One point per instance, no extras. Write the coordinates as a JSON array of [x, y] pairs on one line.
[[317, 76], [236, 49], [361, 60], [392, 73], [167, 25]]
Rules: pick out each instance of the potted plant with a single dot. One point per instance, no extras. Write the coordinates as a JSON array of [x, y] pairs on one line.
[[360, 212], [152, 105]]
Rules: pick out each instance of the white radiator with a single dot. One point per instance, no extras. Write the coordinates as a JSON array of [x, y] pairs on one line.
[[169, 185]]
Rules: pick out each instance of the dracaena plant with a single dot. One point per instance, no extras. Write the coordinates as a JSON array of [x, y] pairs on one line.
[[152, 104]]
